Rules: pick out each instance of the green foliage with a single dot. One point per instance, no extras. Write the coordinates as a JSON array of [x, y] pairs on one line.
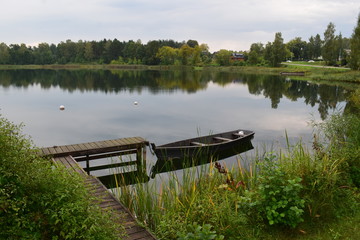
[[256, 54], [197, 232], [279, 194], [296, 46], [329, 49], [300, 190], [222, 57], [167, 55], [355, 47], [39, 201], [275, 52]]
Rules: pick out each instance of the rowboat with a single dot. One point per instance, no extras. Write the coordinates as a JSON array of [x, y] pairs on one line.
[[200, 150], [293, 73], [210, 145]]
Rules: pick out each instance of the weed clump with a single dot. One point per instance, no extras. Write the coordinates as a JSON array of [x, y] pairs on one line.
[[40, 201]]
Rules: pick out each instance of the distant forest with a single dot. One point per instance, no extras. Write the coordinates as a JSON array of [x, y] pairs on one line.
[[333, 49], [100, 52]]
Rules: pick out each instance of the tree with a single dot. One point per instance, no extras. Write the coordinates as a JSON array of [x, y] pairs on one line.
[[341, 49], [43, 54], [298, 48], [67, 51], [192, 43], [20, 54], [4, 54], [222, 57], [330, 50], [205, 54], [150, 51], [276, 52], [185, 54], [196, 56], [256, 54], [167, 55], [88, 51], [355, 47], [317, 46]]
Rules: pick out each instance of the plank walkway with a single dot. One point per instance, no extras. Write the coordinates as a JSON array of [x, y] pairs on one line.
[[89, 148], [62, 155]]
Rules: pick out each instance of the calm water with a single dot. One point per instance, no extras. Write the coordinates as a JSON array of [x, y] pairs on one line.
[[174, 105]]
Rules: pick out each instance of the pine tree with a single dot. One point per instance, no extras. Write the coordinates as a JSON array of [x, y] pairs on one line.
[[329, 49], [275, 52], [355, 47]]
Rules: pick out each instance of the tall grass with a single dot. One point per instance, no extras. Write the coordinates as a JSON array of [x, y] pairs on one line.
[[281, 193]]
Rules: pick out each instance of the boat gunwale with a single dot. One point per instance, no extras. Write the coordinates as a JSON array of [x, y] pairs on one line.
[[162, 147]]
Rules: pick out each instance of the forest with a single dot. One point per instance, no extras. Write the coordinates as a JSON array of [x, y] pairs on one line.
[[333, 49]]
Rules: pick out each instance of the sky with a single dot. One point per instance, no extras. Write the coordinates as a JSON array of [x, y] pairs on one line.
[[221, 24]]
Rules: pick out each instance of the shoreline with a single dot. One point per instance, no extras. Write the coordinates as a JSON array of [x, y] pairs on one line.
[[311, 73]]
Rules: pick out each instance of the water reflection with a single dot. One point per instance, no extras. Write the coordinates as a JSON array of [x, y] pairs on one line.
[[112, 175], [274, 88]]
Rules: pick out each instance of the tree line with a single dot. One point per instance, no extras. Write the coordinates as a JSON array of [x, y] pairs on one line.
[[333, 49], [275, 89]]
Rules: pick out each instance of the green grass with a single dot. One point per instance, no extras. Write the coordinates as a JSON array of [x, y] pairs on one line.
[[312, 73], [295, 193]]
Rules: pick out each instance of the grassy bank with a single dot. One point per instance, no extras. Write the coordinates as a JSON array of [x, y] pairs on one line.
[[326, 74], [294, 194], [41, 201], [311, 73], [95, 67]]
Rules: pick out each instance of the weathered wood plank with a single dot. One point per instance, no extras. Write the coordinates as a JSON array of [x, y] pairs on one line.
[[121, 141], [77, 147], [44, 151], [106, 155], [108, 202], [62, 149], [52, 150], [75, 165], [94, 147], [64, 155]]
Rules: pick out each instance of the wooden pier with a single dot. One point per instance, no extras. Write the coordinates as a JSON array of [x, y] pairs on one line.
[[69, 155], [293, 73]]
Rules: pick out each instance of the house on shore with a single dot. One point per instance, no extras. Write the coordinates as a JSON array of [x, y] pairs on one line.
[[237, 57]]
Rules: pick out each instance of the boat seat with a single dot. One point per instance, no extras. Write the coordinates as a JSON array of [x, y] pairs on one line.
[[198, 144], [238, 135], [223, 139]]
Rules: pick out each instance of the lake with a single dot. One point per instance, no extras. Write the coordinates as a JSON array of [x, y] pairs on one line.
[[162, 106]]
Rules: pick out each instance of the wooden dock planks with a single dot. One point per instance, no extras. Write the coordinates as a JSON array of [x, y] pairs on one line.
[[64, 155], [107, 201], [94, 147]]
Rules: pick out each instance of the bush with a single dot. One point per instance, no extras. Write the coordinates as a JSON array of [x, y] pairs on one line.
[[39, 201], [280, 198], [198, 232]]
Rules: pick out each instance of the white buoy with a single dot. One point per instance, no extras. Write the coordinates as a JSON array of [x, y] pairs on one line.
[[62, 107], [135, 103]]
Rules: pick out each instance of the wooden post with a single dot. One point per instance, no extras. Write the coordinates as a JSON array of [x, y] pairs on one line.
[[139, 158], [87, 165]]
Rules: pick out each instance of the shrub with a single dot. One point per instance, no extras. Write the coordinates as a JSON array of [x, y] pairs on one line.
[[198, 232], [39, 201], [280, 198]]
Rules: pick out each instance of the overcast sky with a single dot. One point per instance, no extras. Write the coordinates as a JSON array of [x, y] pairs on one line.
[[222, 24]]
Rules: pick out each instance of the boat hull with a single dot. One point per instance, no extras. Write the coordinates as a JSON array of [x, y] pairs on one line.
[[210, 146], [184, 154]]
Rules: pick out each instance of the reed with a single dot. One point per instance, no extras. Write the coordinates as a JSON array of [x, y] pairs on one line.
[[307, 189]]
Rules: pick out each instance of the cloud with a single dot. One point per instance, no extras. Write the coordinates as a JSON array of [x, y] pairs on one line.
[[229, 24]]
